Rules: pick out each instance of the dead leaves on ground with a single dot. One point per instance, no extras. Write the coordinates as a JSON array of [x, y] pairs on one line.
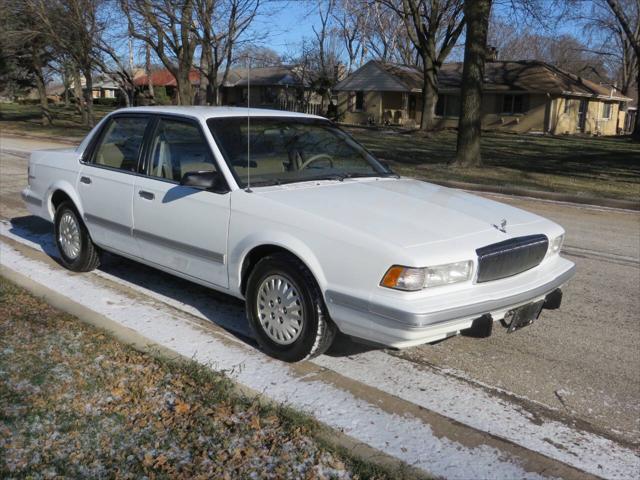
[[75, 403]]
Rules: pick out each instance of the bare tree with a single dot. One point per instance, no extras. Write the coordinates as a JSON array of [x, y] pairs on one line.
[[352, 19], [477, 15], [260, 56], [433, 26], [609, 42], [73, 26], [26, 53], [167, 27], [219, 25], [628, 18]]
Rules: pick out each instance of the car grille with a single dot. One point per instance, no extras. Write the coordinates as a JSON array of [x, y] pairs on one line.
[[504, 259]]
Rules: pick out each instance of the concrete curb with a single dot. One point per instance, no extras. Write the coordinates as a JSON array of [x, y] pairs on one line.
[[333, 438]]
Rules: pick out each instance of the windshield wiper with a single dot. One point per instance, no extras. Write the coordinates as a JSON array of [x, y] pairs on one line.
[[371, 175]]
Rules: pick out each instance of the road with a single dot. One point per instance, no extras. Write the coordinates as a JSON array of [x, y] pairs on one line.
[[578, 365]]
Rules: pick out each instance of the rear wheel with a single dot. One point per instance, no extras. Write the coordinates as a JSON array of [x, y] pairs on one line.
[[286, 310], [77, 251]]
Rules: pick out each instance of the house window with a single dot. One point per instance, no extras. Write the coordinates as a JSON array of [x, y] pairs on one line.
[[512, 104], [359, 106], [448, 106], [606, 111], [567, 105]]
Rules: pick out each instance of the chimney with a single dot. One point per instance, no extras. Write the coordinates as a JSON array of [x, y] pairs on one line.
[[492, 54]]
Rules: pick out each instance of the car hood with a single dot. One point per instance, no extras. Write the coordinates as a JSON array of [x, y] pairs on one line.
[[405, 212]]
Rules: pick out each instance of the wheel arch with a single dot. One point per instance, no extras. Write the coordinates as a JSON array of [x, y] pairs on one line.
[[253, 253], [58, 193]]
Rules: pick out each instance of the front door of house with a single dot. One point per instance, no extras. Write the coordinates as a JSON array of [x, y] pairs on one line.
[[582, 115]]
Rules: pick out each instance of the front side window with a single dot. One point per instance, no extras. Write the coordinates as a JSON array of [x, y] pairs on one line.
[[287, 150], [121, 143], [178, 147]]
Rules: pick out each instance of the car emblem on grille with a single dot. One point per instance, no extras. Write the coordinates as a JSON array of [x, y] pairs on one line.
[[502, 227]]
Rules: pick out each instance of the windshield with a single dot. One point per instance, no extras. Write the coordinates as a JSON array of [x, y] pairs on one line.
[[287, 150]]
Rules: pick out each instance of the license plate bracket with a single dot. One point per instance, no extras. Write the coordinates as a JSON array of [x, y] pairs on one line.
[[522, 316]]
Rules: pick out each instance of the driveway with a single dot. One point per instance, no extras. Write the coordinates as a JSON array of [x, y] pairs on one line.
[[578, 365]]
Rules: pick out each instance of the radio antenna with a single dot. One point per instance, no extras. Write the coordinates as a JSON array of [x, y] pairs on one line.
[[248, 189]]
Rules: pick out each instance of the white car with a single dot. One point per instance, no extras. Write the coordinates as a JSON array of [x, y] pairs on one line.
[[290, 213]]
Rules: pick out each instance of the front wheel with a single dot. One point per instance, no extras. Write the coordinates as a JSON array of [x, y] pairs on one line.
[[286, 310], [77, 251]]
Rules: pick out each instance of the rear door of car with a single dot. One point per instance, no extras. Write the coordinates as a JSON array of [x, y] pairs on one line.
[[183, 229], [106, 181]]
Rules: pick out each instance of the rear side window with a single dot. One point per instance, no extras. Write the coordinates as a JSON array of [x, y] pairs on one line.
[[121, 143], [178, 147]]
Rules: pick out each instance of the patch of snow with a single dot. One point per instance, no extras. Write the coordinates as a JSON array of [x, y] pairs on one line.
[[404, 437]]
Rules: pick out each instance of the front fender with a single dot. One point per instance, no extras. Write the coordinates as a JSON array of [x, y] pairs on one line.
[[280, 239]]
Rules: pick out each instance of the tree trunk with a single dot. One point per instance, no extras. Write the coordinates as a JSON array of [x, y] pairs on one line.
[[475, 49], [41, 87], [184, 86], [88, 96], [429, 95], [77, 90], [147, 66], [65, 85], [42, 94], [636, 126], [125, 94]]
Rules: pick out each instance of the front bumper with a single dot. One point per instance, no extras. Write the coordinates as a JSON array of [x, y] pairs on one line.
[[396, 323]]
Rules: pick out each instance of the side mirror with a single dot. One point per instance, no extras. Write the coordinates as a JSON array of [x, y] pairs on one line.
[[212, 181]]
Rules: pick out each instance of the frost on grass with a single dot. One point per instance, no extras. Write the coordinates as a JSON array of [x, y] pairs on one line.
[[75, 403]]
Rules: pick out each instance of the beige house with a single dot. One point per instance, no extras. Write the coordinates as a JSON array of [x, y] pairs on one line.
[[519, 96]]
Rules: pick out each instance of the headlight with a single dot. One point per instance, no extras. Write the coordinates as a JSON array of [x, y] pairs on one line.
[[413, 279], [555, 245]]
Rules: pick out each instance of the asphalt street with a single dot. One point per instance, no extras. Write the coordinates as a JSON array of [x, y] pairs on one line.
[[580, 363]]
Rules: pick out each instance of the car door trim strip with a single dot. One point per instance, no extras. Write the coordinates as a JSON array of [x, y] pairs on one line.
[[182, 247], [107, 224]]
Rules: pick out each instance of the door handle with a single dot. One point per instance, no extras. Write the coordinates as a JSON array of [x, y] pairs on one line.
[[86, 180], [146, 195]]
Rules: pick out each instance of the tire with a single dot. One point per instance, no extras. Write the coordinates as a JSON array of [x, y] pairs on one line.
[[305, 302], [87, 257]]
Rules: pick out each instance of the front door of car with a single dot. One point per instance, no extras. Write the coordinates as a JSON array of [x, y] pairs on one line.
[[106, 181], [177, 227]]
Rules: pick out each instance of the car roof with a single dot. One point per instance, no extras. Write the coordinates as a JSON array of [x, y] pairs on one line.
[[204, 113]]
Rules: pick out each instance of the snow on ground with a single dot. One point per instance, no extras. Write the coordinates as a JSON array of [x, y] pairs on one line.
[[437, 392], [403, 437]]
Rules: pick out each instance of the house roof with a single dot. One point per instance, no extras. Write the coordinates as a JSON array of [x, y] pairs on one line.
[[164, 78], [262, 76], [525, 75]]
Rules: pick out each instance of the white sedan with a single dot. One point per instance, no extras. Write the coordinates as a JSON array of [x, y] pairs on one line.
[[290, 213]]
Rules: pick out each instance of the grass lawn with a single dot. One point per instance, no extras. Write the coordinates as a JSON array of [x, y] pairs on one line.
[[76, 403], [602, 167], [590, 166], [17, 118]]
